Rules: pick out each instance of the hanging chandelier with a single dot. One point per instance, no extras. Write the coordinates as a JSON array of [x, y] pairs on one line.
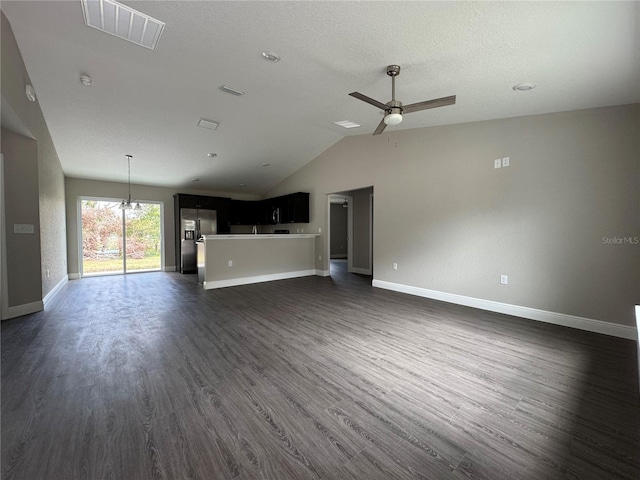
[[127, 204]]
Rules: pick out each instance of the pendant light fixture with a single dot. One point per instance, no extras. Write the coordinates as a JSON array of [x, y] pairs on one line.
[[127, 204]]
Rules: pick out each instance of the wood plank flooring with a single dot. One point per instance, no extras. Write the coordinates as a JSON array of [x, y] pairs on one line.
[[148, 376]]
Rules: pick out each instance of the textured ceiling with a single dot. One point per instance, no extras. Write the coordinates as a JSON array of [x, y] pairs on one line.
[[146, 103]]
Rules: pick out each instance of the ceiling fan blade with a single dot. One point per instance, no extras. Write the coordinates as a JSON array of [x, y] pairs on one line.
[[380, 128], [435, 103], [369, 100]]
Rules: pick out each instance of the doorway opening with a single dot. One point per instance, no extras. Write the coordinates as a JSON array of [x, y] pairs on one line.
[[117, 241], [351, 222]]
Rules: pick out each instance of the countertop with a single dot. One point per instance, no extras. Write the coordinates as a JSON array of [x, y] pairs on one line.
[[260, 236]]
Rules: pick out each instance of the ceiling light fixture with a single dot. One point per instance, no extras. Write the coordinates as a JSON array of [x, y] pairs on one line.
[[212, 155], [210, 124], [272, 57], [242, 185], [347, 124], [231, 90], [265, 164], [30, 92], [127, 204], [195, 179], [393, 117], [523, 87], [86, 80]]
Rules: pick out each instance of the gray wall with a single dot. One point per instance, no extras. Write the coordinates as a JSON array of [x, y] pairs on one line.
[[45, 184], [21, 191], [454, 224], [76, 188], [361, 229], [338, 231]]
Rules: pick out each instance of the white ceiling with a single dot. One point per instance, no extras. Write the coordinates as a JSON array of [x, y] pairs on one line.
[[146, 103]]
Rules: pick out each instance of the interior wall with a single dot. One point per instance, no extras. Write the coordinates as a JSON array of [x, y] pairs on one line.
[[21, 191], [27, 118], [76, 188], [361, 229], [338, 243], [453, 223]]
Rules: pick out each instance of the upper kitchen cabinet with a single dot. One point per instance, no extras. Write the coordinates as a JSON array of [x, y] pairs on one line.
[[297, 205], [221, 205], [244, 212], [195, 201], [293, 208]]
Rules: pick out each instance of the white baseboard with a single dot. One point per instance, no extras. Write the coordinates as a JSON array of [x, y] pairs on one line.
[[169, 268], [338, 255], [74, 276], [54, 291], [322, 273], [361, 271], [24, 309], [233, 282], [581, 323]]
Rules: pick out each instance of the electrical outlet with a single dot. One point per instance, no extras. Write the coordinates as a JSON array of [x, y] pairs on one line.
[[497, 163], [231, 263], [394, 266], [505, 162], [504, 279]]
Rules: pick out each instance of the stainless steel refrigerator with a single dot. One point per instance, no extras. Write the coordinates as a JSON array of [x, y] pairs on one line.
[[194, 222]]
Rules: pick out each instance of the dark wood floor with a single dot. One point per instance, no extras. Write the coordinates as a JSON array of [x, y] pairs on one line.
[[150, 377]]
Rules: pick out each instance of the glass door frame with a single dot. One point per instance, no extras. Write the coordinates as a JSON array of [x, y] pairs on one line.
[[124, 239]]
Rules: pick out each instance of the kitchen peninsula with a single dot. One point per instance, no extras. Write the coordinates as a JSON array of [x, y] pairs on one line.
[[229, 260]]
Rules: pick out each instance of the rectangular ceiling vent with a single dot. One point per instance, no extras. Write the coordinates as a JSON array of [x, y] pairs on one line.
[[231, 90], [210, 124], [347, 124], [123, 22]]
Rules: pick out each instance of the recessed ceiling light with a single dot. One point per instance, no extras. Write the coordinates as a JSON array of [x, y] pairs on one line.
[[523, 87], [212, 155], [242, 185], [231, 90], [210, 124], [271, 56], [265, 164], [86, 80], [347, 124]]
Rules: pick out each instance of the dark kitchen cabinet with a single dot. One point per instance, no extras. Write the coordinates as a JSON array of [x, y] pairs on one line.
[[244, 212], [195, 201], [296, 208], [293, 208]]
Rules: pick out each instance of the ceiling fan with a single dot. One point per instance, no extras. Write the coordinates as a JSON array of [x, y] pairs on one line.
[[393, 109]]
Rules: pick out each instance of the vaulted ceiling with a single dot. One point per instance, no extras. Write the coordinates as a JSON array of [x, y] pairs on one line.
[[147, 102]]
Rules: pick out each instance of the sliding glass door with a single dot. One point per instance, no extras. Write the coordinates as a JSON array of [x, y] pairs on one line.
[[120, 241]]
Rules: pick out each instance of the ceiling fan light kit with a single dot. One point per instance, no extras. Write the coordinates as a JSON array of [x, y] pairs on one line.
[[393, 109]]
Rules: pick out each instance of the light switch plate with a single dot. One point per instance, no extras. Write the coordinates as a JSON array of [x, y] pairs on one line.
[[505, 162], [23, 228]]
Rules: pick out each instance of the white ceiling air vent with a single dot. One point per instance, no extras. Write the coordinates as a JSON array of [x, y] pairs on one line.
[[123, 22], [210, 124]]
